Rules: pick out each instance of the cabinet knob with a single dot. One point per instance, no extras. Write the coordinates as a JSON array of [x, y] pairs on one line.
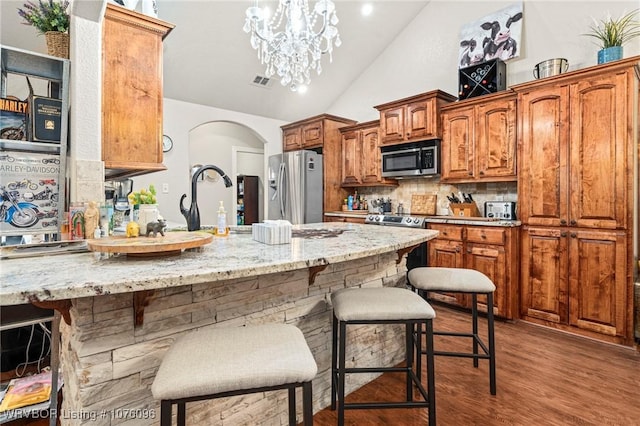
[[563, 222], [468, 250], [563, 234], [470, 173], [482, 172], [457, 249], [484, 237], [444, 232], [573, 235], [573, 222]]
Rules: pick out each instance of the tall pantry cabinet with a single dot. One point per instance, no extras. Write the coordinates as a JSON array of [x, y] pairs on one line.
[[578, 142]]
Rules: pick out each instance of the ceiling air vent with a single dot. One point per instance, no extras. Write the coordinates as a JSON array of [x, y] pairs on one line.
[[261, 81]]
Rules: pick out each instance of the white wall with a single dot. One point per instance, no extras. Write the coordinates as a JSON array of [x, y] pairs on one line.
[[180, 119], [425, 56]]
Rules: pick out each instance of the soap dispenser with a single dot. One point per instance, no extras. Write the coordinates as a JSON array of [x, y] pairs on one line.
[[221, 230]]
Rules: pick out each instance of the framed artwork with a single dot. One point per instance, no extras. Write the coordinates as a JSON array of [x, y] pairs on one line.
[[495, 36]]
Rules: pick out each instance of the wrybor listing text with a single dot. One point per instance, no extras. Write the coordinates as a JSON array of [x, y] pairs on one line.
[[115, 414]]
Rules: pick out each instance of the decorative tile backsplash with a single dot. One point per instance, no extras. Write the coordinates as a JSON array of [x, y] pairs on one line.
[[481, 192]]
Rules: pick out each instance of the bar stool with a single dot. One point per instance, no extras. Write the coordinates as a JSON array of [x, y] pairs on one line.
[[384, 305], [460, 280], [220, 362]]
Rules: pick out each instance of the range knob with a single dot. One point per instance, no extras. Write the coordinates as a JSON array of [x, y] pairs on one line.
[[416, 220], [408, 220], [378, 218], [370, 218]]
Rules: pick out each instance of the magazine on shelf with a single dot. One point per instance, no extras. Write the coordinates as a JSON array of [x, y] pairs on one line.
[[25, 392]]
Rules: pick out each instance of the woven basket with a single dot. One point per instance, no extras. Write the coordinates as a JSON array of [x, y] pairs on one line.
[[57, 44]]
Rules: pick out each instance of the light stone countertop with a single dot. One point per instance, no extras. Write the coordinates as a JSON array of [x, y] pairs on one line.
[[69, 276], [476, 221]]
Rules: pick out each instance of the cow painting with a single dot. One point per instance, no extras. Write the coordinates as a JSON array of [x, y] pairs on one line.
[[496, 36]]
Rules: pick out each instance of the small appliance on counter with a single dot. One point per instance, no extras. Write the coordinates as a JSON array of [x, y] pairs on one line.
[[500, 210]]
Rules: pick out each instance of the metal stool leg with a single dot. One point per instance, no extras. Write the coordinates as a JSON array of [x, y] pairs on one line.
[[492, 348], [474, 315], [182, 413], [292, 406], [165, 413], [307, 404], [342, 338], [409, 359], [431, 376], [334, 362]]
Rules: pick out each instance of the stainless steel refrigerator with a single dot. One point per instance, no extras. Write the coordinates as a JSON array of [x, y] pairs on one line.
[[295, 187]]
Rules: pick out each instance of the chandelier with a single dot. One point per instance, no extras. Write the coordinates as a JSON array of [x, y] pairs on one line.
[[288, 43]]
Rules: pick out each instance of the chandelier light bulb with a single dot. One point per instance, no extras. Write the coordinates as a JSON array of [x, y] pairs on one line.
[[291, 42]]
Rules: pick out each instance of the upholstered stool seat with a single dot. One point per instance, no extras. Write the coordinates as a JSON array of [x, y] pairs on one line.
[[219, 362], [385, 305], [461, 280]]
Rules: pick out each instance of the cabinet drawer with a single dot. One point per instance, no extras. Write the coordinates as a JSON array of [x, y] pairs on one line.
[[486, 235], [448, 232]]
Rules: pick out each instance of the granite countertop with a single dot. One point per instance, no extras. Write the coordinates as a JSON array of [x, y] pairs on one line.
[[348, 213], [68, 276]]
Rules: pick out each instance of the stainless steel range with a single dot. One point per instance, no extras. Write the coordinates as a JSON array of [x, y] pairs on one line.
[[396, 220], [418, 256]]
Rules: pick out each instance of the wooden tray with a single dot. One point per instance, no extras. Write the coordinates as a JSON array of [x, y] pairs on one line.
[[172, 243], [424, 204]]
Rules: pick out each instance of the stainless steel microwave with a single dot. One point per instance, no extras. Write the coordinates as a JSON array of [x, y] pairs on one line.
[[411, 160]]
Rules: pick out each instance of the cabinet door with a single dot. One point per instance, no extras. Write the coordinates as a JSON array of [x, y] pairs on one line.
[[496, 139], [447, 254], [312, 135], [491, 261], [543, 162], [598, 281], [457, 144], [132, 94], [544, 286], [598, 167], [421, 120], [371, 163], [292, 139], [392, 125], [351, 157]]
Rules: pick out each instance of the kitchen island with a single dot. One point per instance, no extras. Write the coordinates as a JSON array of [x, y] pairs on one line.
[[123, 313]]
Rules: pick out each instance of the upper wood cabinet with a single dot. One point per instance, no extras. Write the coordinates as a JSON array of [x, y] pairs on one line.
[[412, 119], [577, 148], [321, 133], [361, 156], [479, 139], [132, 92]]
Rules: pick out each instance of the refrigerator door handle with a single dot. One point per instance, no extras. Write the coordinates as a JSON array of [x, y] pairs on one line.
[[280, 189]]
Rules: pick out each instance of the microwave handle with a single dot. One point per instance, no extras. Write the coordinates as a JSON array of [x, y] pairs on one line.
[[403, 151]]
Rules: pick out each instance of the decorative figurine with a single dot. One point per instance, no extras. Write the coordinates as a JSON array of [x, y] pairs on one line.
[[156, 227], [133, 229], [91, 219]]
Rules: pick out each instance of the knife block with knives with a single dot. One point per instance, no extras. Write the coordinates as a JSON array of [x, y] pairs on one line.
[[465, 209]]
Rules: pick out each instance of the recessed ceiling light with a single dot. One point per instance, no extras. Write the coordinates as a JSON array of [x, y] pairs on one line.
[[302, 89], [366, 10]]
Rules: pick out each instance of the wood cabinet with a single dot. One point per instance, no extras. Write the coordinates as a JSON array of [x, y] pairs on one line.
[[576, 277], [412, 119], [132, 92], [491, 250], [578, 138], [479, 139], [349, 219], [361, 163], [321, 133]]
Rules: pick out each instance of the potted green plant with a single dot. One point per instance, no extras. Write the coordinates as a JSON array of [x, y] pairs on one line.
[[613, 33], [50, 18]]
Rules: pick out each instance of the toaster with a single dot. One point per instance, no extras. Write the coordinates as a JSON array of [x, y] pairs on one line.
[[500, 210]]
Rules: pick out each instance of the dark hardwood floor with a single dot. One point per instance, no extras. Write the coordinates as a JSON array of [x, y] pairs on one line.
[[544, 377]]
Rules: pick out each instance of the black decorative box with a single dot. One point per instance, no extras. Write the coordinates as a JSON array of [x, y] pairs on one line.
[[46, 116], [482, 79]]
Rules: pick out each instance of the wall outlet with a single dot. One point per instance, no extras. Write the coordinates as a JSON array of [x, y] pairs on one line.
[[165, 188]]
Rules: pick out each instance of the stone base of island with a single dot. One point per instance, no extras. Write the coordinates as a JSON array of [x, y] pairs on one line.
[[114, 344]]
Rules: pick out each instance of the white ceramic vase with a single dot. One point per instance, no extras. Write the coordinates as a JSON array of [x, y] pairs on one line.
[[146, 213]]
